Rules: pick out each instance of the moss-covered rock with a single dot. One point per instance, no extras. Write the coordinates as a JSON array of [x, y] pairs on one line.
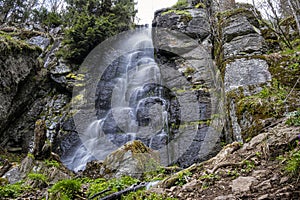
[[133, 159]]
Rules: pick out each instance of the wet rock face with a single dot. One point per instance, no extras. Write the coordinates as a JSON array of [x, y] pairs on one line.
[[179, 40], [18, 88]]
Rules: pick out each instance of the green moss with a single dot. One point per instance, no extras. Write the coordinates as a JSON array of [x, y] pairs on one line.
[[113, 184], [268, 103], [13, 190], [37, 177], [10, 45], [185, 15], [52, 163], [65, 189], [141, 195], [189, 71], [229, 13], [200, 5]]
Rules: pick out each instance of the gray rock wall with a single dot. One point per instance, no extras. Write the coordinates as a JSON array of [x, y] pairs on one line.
[[19, 70], [244, 66], [182, 39]]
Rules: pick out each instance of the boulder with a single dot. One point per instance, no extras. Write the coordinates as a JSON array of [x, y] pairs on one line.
[[242, 184], [244, 72], [132, 159], [192, 22]]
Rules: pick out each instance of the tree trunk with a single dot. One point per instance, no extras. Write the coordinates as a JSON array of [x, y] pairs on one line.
[[296, 12]]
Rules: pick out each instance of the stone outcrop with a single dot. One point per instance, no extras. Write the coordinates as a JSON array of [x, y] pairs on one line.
[[243, 65], [29, 89], [132, 159], [19, 68], [185, 37]]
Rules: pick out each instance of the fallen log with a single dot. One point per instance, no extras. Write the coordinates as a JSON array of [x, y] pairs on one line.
[[118, 194]]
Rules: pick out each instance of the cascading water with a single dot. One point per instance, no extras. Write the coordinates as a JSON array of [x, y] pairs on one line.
[[137, 107]]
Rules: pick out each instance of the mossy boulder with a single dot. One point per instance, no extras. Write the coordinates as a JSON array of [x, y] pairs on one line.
[[132, 159]]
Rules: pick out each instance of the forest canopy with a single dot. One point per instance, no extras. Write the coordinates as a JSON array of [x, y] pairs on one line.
[[87, 22]]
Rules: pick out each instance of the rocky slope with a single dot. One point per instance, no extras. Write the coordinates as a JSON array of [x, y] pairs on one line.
[[254, 170]]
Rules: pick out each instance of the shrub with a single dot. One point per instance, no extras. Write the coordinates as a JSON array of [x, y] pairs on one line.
[[65, 189], [37, 177], [293, 163], [12, 190], [294, 118], [114, 185]]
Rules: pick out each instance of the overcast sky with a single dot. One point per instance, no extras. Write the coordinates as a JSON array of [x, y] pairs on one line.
[[146, 8]]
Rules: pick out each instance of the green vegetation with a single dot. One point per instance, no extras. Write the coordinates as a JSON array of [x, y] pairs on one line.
[[183, 177], [209, 180], [10, 45], [37, 177], [189, 71], [294, 118], [12, 190], [52, 163], [270, 102], [185, 15], [65, 189], [113, 185], [293, 163], [141, 195], [92, 22], [200, 5], [291, 159], [181, 4]]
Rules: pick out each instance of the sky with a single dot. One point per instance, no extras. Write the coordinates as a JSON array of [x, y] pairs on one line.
[[146, 8]]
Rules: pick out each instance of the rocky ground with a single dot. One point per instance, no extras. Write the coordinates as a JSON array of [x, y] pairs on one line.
[[254, 170]]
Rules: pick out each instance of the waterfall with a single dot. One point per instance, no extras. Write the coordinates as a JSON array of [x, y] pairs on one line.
[[138, 109]]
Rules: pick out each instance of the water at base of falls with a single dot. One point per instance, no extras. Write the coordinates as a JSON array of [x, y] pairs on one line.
[[137, 110]]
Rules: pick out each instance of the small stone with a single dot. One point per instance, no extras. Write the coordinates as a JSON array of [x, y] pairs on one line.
[[259, 174], [264, 185], [172, 189], [266, 196], [242, 184], [284, 180], [228, 197]]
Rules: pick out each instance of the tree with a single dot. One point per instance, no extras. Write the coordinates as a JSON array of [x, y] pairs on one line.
[[92, 22], [295, 7], [273, 19]]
